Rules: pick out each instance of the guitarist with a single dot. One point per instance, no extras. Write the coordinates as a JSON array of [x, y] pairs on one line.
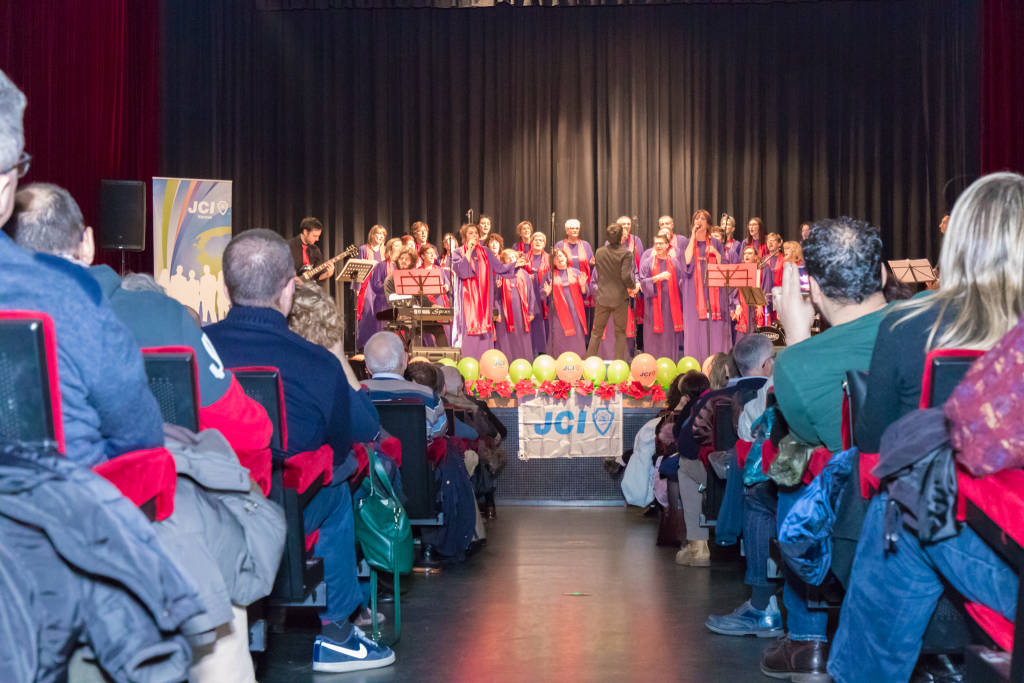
[[305, 252]]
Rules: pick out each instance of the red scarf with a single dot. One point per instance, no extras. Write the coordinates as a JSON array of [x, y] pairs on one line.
[[636, 311], [539, 274], [476, 294], [506, 296], [373, 255], [777, 267], [673, 296], [741, 322], [698, 281], [762, 249], [562, 306], [522, 247], [578, 261]]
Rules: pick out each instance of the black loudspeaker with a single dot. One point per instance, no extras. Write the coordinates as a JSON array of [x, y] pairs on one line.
[[123, 215]]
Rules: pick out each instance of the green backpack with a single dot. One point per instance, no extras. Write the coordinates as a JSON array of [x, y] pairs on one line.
[[385, 535]]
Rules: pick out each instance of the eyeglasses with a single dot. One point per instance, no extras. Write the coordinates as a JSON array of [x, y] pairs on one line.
[[21, 166]]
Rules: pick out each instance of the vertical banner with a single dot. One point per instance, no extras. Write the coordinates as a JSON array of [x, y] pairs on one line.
[[577, 427], [191, 227]]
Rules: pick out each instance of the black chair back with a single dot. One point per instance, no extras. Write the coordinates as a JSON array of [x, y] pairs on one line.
[[855, 390], [405, 420], [725, 433], [29, 394], [173, 380], [946, 372], [263, 385]]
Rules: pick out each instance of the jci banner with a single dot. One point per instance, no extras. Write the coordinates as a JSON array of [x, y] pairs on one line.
[[191, 227], [581, 426]]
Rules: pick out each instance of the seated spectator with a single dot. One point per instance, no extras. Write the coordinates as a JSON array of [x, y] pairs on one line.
[[692, 475], [48, 220], [386, 360], [979, 299], [106, 404], [322, 409], [759, 615], [315, 318], [844, 263], [892, 595]]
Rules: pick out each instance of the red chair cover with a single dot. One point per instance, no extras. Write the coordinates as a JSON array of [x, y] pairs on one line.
[[312, 539], [868, 482], [994, 624], [142, 476], [302, 469], [244, 423]]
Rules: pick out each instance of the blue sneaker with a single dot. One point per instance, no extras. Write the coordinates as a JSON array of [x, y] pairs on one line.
[[358, 652], [747, 621]]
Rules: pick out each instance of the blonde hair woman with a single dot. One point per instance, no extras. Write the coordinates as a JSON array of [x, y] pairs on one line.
[[979, 299], [315, 318]]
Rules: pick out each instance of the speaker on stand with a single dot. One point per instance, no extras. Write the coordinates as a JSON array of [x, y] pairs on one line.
[[123, 216]]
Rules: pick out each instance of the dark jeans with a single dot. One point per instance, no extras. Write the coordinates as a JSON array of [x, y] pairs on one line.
[[891, 597], [802, 623], [759, 504], [330, 511], [618, 316]]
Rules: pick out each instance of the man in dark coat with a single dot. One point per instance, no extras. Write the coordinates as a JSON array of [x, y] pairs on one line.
[[615, 284]]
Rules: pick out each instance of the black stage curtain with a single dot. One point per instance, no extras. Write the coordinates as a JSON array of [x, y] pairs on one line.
[[786, 111]]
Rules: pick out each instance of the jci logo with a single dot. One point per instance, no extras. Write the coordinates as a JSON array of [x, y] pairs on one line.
[[205, 208], [565, 421]]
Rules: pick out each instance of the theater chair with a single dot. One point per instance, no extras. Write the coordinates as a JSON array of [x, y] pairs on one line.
[[294, 482], [714, 492], [30, 411], [404, 419], [993, 507]]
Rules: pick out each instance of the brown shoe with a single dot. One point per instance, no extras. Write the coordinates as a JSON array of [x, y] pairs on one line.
[[801, 661]]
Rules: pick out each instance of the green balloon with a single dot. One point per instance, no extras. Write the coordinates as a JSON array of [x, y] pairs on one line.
[[544, 368], [593, 369], [449, 362], [519, 370], [470, 369], [618, 371], [667, 372], [687, 363]]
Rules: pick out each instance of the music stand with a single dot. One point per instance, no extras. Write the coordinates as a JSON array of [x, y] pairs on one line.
[[419, 282], [729, 275], [752, 296], [912, 271], [356, 270]]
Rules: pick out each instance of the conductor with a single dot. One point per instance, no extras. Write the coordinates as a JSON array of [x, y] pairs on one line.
[[615, 285]]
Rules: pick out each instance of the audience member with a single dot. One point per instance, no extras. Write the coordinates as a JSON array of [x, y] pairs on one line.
[[49, 221], [893, 591], [980, 297], [322, 409], [386, 361], [106, 404], [844, 263]]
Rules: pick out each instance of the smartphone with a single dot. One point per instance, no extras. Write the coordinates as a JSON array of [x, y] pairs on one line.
[[805, 281]]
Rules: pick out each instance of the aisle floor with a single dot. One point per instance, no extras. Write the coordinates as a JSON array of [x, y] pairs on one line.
[[557, 594]]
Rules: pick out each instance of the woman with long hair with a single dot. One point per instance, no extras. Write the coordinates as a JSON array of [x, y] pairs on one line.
[[979, 299], [373, 250], [755, 237], [771, 272], [524, 231], [793, 253], [428, 261], [567, 324]]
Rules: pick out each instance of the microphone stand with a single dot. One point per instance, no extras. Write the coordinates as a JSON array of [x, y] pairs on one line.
[[707, 325]]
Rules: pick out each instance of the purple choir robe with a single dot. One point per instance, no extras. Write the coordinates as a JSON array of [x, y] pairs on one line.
[[558, 341], [667, 342], [518, 343], [695, 336], [473, 345], [375, 302], [539, 327]]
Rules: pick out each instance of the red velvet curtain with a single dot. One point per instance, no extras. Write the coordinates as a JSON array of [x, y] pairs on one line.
[[90, 71], [1002, 85]]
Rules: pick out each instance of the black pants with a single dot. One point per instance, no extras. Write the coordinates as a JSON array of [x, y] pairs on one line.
[[618, 316]]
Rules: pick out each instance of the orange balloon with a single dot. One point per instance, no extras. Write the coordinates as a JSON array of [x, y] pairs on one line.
[[644, 369], [569, 367], [494, 365]]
